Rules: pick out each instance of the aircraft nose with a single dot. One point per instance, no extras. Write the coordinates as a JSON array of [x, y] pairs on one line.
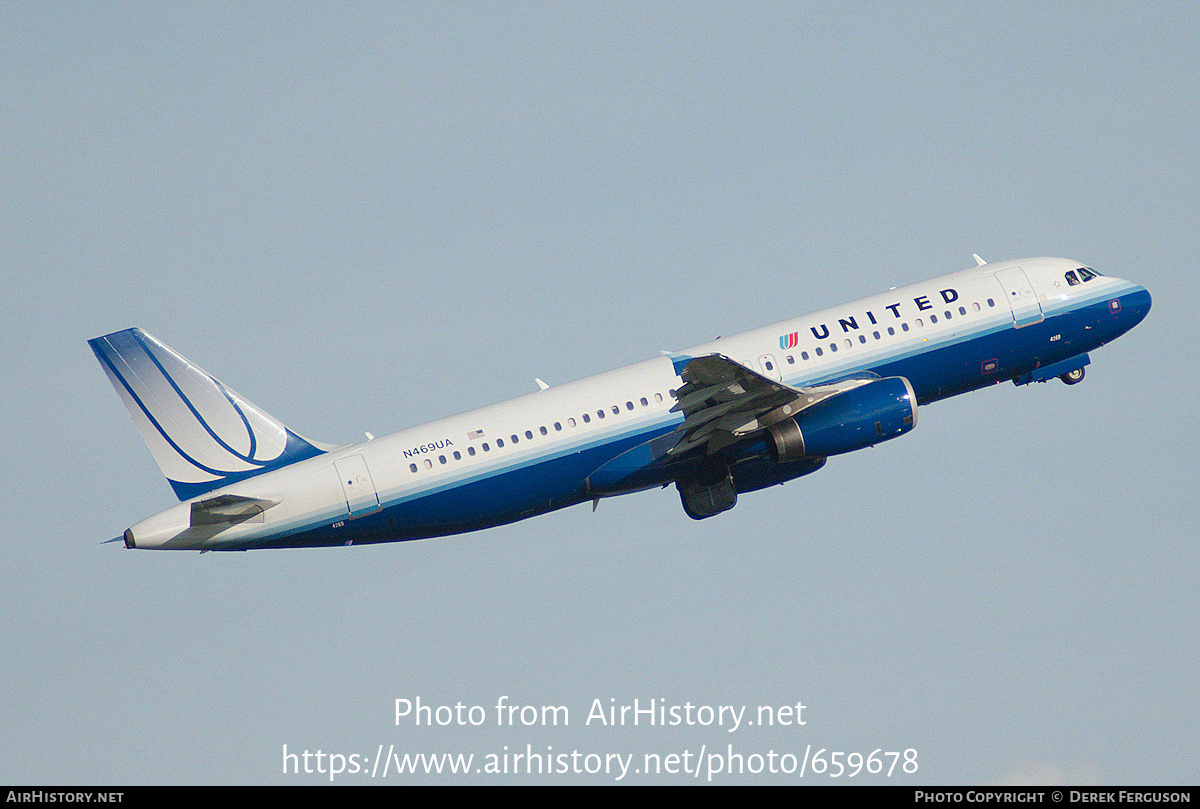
[[1139, 302]]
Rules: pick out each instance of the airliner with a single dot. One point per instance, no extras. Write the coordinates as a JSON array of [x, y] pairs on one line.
[[718, 420]]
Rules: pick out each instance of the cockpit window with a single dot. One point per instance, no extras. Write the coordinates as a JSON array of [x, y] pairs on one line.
[[1087, 274], [1072, 278]]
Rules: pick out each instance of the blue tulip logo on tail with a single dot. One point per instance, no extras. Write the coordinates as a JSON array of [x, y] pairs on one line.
[[202, 434]]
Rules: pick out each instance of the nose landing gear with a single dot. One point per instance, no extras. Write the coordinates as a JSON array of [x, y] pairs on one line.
[[1073, 377]]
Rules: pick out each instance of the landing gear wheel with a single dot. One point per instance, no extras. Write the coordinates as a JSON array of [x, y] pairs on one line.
[[1073, 377]]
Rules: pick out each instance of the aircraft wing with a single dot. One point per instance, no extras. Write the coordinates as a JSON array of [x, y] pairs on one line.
[[724, 402]]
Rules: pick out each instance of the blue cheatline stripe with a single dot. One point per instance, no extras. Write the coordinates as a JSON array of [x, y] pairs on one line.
[[544, 481], [914, 359]]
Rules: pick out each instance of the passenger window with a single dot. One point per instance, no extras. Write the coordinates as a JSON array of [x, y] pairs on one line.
[[457, 456], [587, 419], [645, 403], [529, 434], [471, 451], [543, 430], [499, 443], [413, 467], [441, 459], [804, 355]]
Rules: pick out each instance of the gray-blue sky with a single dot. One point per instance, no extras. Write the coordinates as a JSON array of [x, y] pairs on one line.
[[364, 216]]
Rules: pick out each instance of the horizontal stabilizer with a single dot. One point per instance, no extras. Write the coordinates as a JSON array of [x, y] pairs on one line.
[[229, 508]]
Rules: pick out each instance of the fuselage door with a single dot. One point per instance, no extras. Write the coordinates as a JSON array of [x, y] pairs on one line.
[[1026, 310], [357, 485]]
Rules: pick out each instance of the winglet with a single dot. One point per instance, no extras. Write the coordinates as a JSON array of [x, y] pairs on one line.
[[978, 261], [229, 509]]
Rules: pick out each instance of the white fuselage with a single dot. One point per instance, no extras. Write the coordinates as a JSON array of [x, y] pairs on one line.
[[535, 453]]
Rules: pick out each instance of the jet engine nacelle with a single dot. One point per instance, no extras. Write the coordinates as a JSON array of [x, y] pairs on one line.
[[856, 418]]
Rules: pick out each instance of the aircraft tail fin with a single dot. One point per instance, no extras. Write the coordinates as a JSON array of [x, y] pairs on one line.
[[202, 434]]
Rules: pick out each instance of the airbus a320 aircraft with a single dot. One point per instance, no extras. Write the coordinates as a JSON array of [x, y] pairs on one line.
[[717, 420]]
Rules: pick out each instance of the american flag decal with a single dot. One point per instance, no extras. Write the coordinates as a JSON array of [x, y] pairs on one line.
[[471, 436]]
